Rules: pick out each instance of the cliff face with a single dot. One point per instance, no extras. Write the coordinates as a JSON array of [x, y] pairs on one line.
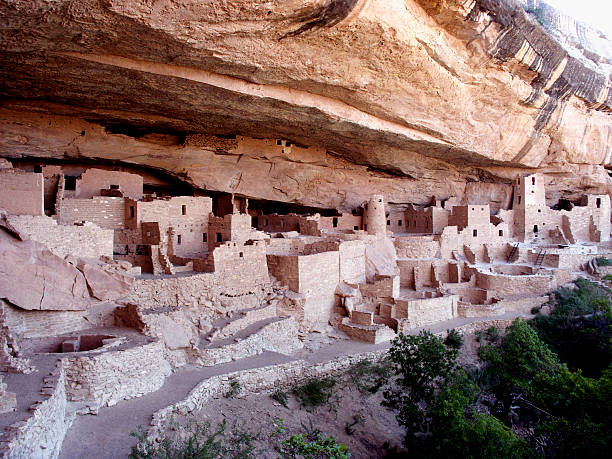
[[406, 97]]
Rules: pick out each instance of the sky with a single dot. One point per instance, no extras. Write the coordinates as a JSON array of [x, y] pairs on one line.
[[597, 13]]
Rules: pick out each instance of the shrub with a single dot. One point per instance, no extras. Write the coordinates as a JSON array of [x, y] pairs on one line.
[[515, 362], [196, 440], [234, 389], [578, 328], [603, 261], [315, 391], [313, 446], [453, 339], [280, 397], [368, 376]]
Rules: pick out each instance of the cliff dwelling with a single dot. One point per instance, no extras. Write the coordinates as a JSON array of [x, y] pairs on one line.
[[198, 193]]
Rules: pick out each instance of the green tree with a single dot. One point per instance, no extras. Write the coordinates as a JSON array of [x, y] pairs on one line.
[[515, 362]]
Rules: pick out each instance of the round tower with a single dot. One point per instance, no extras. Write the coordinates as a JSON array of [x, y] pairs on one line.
[[375, 217]]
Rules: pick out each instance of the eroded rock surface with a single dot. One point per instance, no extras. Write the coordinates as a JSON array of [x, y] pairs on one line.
[[406, 97]]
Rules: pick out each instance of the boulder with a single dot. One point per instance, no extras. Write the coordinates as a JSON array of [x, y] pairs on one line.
[[33, 278]]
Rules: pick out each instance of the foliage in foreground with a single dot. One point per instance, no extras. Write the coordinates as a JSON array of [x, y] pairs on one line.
[[196, 440], [579, 327], [313, 446], [369, 376], [315, 392], [434, 399]]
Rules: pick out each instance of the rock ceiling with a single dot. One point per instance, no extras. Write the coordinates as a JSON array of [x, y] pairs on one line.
[[410, 98]]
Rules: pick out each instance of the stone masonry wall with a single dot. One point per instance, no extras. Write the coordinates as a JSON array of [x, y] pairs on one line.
[[106, 378], [22, 192], [319, 275], [42, 434], [106, 212], [87, 241], [93, 180], [420, 313], [279, 336]]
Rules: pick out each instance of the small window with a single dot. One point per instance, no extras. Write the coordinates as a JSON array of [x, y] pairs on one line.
[[380, 200], [132, 211], [184, 209], [113, 187], [179, 239], [388, 222], [532, 191], [69, 183], [540, 211], [399, 223], [535, 228], [38, 169], [533, 180], [241, 254], [501, 232], [219, 237], [519, 201], [279, 142], [475, 233], [472, 208], [356, 228], [598, 203], [335, 222], [415, 223], [365, 227], [204, 237]]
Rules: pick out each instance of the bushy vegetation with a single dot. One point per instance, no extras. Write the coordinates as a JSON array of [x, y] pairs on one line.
[[530, 396], [436, 400], [197, 440], [603, 261], [315, 392], [313, 446], [281, 397], [369, 376], [453, 339], [579, 327]]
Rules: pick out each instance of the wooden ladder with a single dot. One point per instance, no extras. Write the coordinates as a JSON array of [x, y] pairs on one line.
[[512, 252], [540, 258]]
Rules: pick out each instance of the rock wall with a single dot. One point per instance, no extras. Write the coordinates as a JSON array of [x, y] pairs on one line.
[[406, 98], [42, 434], [87, 241], [106, 378]]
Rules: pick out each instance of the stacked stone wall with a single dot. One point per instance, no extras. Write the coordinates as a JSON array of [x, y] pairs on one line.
[[87, 241], [106, 378], [22, 192], [106, 212]]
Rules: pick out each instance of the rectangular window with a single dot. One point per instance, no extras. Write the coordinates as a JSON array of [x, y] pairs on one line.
[[241, 254], [533, 180], [519, 200], [355, 228], [184, 209], [399, 223], [69, 183], [598, 202], [388, 222], [132, 211], [475, 233], [501, 232], [335, 222], [204, 237], [113, 187], [179, 239], [219, 237]]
